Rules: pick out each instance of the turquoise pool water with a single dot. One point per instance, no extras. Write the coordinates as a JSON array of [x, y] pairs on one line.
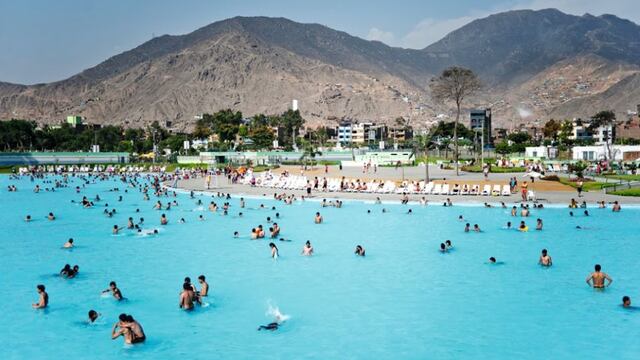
[[405, 300]]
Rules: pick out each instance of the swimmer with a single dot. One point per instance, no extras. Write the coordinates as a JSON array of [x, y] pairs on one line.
[[597, 278], [409, 212], [508, 225], [68, 244], [236, 234], [113, 288], [616, 207], [586, 213], [359, 250], [274, 250], [467, 228], [275, 230], [283, 239], [186, 297], [130, 224], [93, 316], [307, 250], [73, 272], [545, 259], [163, 220], [476, 228], [318, 218], [204, 286], [182, 221], [523, 227], [448, 244], [626, 302], [115, 230], [201, 218], [460, 218], [443, 248], [539, 224], [27, 218], [130, 329], [570, 213], [492, 260], [43, 298], [514, 211], [51, 217]]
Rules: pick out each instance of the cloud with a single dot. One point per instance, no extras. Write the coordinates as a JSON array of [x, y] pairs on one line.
[[386, 37], [429, 30]]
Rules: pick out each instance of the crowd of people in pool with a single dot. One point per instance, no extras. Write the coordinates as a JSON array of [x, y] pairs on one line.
[[190, 296]]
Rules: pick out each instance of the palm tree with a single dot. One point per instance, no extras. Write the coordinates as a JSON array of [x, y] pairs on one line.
[[423, 143]]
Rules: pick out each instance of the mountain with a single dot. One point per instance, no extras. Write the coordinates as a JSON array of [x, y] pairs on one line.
[[537, 63]]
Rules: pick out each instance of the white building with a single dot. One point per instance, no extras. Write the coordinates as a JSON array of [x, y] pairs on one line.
[[547, 152], [581, 131], [604, 152]]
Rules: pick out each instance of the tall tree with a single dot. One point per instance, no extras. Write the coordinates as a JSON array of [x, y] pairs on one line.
[[605, 119], [455, 84]]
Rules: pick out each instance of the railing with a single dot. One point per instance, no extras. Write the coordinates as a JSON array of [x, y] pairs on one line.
[[622, 185]]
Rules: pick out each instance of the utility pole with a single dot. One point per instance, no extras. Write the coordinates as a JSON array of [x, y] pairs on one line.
[[482, 144]]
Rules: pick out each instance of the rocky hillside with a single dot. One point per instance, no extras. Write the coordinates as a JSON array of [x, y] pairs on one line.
[[535, 64]]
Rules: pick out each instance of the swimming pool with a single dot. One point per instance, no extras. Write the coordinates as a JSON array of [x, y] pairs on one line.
[[404, 300]]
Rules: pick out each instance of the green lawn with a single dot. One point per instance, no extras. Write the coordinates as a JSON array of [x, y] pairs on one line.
[[624, 177], [627, 192], [587, 185]]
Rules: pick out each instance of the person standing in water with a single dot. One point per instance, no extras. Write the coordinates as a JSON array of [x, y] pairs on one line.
[[597, 278], [318, 218], [545, 259], [307, 250], [186, 297], [43, 298], [130, 329], [274, 250], [204, 286], [359, 250]]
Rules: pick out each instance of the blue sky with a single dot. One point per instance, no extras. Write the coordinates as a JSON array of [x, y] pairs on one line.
[[48, 40]]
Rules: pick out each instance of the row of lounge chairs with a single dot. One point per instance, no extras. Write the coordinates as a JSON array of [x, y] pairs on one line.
[[293, 182]]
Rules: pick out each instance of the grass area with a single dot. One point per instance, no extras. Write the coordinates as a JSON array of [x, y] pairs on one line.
[[627, 192], [309, 162], [587, 185], [7, 169], [494, 169], [624, 177]]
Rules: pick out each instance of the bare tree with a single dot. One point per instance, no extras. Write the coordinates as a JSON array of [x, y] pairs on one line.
[[455, 84]]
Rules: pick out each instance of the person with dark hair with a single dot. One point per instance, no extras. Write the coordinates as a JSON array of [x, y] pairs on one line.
[[65, 270], [186, 297], [307, 250], [113, 288], [360, 251], [597, 278], [274, 250], [68, 244], [626, 302], [492, 260], [204, 286], [545, 259], [93, 316], [443, 248], [448, 244], [74, 271], [467, 227], [43, 300], [130, 329], [318, 218]]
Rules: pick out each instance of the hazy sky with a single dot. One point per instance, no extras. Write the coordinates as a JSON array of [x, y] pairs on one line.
[[48, 40]]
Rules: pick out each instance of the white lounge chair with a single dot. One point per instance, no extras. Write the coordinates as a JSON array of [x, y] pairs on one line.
[[496, 190], [445, 189], [486, 190], [437, 188], [506, 190]]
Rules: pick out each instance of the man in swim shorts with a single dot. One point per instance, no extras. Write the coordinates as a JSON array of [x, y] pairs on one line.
[[597, 278], [130, 329], [113, 288]]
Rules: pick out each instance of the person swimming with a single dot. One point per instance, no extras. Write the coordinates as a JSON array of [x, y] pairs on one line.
[[113, 288], [51, 217], [318, 218], [360, 251], [448, 244], [307, 250], [467, 227], [508, 226], [523, 227], [626, 302], [68, 244], [539, 224], [476, 228], [597, 278], [274, 250], [27, 218], [545, 259], [163, 220], [93, 316], [443, 248]]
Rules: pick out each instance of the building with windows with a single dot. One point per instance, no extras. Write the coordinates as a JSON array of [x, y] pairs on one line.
[[606, 152], [480, 120]]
